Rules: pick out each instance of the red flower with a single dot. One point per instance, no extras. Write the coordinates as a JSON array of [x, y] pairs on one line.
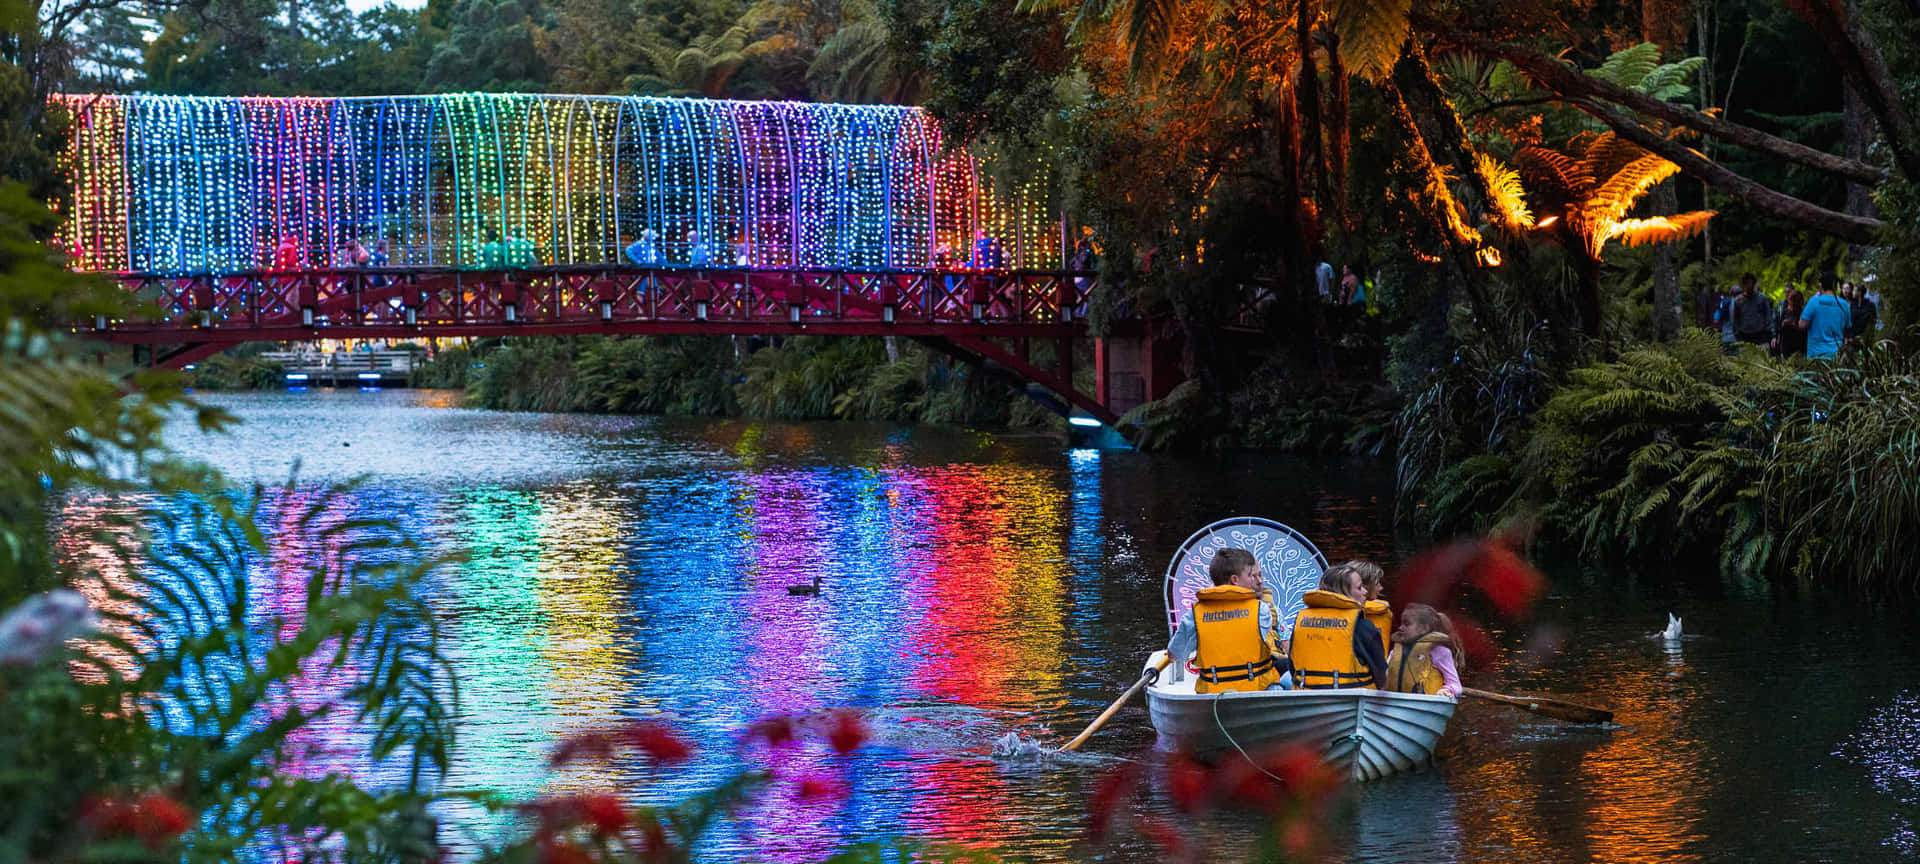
[[658, 742], [1109, 793], [1508, 580], [555, 852], [1479, 650], [604, 812], [848, 731], [776, 730], [1306, 775], [153, 818], [1187, 784], [819, 787], [1433, 577]]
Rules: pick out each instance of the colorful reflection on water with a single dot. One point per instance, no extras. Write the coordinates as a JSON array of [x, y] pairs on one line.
[[623, 568]]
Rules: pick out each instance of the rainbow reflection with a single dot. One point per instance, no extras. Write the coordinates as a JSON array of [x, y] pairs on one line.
[[179, 184]]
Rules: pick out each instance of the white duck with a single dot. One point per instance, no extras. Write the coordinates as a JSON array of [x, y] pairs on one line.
[[1672, 633]]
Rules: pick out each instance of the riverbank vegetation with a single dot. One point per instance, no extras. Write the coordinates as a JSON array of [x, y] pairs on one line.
[[1679, 453], [801, 378]]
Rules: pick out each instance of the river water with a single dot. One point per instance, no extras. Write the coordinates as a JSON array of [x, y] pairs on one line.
[[975, 585]]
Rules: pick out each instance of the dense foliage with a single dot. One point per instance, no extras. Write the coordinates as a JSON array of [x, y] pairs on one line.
[[802, 378], [1681, 452]]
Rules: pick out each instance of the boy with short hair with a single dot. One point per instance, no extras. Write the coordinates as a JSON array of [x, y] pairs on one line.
[[1230, 628]]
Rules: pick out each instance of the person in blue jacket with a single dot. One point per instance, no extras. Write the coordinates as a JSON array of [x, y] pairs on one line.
[[1825, 319]]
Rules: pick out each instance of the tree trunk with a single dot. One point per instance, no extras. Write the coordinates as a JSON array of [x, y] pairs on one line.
[[1339, 132], [1857, 132], [1296, 249], [1666, 273], [1307, 99]]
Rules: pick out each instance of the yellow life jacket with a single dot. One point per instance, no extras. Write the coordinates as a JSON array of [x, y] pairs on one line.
[[1381, 615], [1233, 653], [1410, 667], [1323, 657]]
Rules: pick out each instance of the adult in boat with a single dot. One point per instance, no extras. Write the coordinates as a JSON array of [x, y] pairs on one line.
[[1229, 629], [1424, 658], [1374, 608], [1333, 644]]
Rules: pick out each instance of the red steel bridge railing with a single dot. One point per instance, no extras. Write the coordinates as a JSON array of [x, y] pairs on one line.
[[980, 316]]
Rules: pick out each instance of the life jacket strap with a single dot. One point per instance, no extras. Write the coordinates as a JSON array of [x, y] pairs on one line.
[[1243, 672], [1332, 680]]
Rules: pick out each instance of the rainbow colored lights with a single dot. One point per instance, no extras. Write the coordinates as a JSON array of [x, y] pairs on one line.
[[178, 185]]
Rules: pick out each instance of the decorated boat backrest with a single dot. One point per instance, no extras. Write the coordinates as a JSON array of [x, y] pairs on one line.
[[1289, 562]]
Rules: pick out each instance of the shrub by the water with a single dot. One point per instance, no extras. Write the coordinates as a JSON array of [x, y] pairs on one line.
[[445, 370], [226, 372], [1798, 468]]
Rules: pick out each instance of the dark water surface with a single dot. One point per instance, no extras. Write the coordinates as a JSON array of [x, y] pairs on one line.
[[977, 585]]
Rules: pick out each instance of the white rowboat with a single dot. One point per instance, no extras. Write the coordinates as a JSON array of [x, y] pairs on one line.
[[1369, 734]]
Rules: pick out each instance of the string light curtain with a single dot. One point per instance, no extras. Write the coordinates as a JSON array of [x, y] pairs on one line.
[[179, 185]]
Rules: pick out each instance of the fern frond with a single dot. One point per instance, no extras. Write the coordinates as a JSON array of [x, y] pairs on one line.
[[1660, 229], [1624, 187], [1671, 81], [1509, 204], [1629, 66], [1372, 33]]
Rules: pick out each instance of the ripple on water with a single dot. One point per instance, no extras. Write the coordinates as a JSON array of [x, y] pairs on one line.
[[1888, 747]]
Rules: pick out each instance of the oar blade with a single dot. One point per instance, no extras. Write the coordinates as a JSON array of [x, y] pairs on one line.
[[1569, 712]]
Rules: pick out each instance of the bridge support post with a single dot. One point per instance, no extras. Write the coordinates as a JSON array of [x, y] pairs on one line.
[[1132, 370]]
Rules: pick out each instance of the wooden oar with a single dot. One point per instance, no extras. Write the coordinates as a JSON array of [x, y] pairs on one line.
[[1555, 708], [1115, 707]]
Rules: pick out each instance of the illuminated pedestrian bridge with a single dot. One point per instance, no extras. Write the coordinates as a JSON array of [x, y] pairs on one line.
[[204, 185]]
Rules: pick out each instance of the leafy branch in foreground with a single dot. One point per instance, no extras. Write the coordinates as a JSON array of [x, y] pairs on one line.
[[202, 679]]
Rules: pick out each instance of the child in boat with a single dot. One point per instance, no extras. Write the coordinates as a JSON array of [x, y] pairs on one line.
[[1334, 645], [1374, 606], [1424, 658], [1231, 640]]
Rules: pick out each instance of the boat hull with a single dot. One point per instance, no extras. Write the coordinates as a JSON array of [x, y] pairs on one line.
[[1368, 733]]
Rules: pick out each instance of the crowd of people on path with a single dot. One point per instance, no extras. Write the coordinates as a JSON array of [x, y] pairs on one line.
[[1839, 314], [1344, 638]]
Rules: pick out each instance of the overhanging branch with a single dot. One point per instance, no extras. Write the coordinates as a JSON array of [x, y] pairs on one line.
[[1549, 72], [1853, 229]]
